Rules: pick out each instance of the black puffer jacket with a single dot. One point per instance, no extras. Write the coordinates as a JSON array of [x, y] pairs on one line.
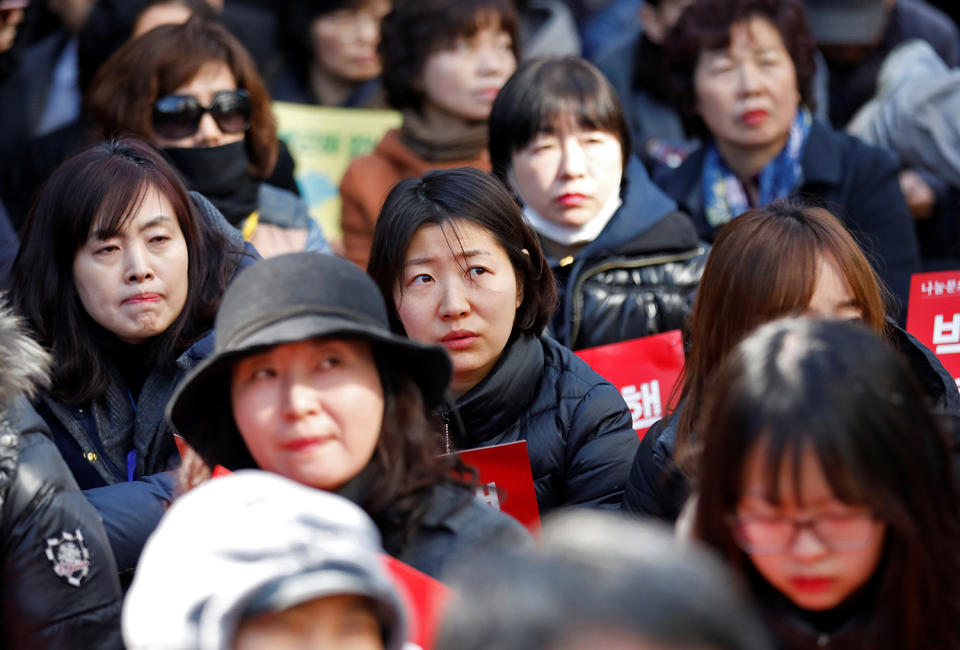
[[637, 278], [578, 429], [59, 584], [657, 488]]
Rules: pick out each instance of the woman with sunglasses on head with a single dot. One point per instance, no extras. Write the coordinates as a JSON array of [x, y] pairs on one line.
[[785, 259], [826, 482], [306, 380], [462, 269], [194, 92], [119, 276]]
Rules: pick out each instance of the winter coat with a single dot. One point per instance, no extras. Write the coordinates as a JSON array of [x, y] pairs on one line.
[[370, 178], [131, 497], [851, 86], [637, 278], [454, 527], [59, 585], [856, 182], [657, 488], [578, 429]]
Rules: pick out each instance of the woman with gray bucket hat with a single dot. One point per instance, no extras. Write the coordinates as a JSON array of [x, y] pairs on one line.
[[307, 381]]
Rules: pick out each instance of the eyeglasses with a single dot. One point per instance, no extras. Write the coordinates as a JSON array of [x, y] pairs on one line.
[[178, 116], [770, 535]]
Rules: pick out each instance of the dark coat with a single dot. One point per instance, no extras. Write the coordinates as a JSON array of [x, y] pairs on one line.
[[634, 66], [856, 182], [657, 488], [58, 585], [131, 507], [454, 527], [41, 502], [579, 431], [637, 278]]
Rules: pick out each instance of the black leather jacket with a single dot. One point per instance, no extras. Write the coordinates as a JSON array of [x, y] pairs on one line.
[[637, 278], [59, 586]]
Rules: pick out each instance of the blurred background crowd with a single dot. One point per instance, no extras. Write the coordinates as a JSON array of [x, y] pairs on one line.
[[228, 423]]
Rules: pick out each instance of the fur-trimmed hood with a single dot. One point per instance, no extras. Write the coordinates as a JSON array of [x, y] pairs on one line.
[[24, 365]]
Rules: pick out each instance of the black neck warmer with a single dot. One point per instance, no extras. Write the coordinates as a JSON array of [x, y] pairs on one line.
[[220, 174]]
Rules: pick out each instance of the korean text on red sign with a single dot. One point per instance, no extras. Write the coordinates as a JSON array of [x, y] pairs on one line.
[[933, 315], [644, 370]]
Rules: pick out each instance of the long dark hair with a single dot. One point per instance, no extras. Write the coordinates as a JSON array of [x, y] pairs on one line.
[[104, 185], [474, 196], [763, 265], [840, 390]]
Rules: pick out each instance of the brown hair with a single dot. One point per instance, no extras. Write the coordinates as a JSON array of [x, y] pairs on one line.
[[706, 25], [144, 69], [415, 29], [763, 265]]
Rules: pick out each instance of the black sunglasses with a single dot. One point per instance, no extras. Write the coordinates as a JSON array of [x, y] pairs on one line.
[[178, 116]]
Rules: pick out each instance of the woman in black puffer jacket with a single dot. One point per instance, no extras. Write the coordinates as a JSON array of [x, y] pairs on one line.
[[59, 581], [465, 271]]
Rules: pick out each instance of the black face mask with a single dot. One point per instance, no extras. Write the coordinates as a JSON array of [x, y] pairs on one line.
[[220, 174]]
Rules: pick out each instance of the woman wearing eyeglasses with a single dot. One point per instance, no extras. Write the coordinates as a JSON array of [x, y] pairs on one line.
[[194, 92], [826, 481]]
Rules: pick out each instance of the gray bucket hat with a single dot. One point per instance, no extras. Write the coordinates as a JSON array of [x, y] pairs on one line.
[[846, 22], [283, 300]]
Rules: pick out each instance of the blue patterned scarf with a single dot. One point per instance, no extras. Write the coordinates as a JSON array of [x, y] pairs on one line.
[[724, 196]]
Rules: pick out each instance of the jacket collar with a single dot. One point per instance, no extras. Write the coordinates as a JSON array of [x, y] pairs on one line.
[[491, 406], [821, 163]]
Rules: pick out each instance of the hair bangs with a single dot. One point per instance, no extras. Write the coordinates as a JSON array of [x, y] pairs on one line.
[[467, 19]]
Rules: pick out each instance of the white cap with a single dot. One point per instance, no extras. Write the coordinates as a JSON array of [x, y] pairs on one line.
[[249, 543]]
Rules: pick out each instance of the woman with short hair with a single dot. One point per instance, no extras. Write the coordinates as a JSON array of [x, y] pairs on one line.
[[461, 269], [626, 260], [743, 71]]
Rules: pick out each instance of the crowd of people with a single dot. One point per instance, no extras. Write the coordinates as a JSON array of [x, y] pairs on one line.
[[222, 427]]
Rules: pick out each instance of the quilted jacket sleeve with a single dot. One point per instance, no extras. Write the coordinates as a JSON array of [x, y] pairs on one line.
[[600, 449], [60, 586]]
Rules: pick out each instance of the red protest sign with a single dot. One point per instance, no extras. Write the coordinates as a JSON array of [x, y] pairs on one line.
[[644, 370], [505, 482], [424, 599], [933, 315]]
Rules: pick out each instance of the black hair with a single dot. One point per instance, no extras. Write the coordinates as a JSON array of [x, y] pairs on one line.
[[839, 389], [544, 94], [467, 194], [415, 29], [102, 187]]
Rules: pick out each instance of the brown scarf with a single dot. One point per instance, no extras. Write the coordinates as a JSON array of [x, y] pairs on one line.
[[442, 145]]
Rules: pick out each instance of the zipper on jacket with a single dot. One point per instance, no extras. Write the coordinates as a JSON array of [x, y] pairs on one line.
[[445, 438], [621, 264]]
